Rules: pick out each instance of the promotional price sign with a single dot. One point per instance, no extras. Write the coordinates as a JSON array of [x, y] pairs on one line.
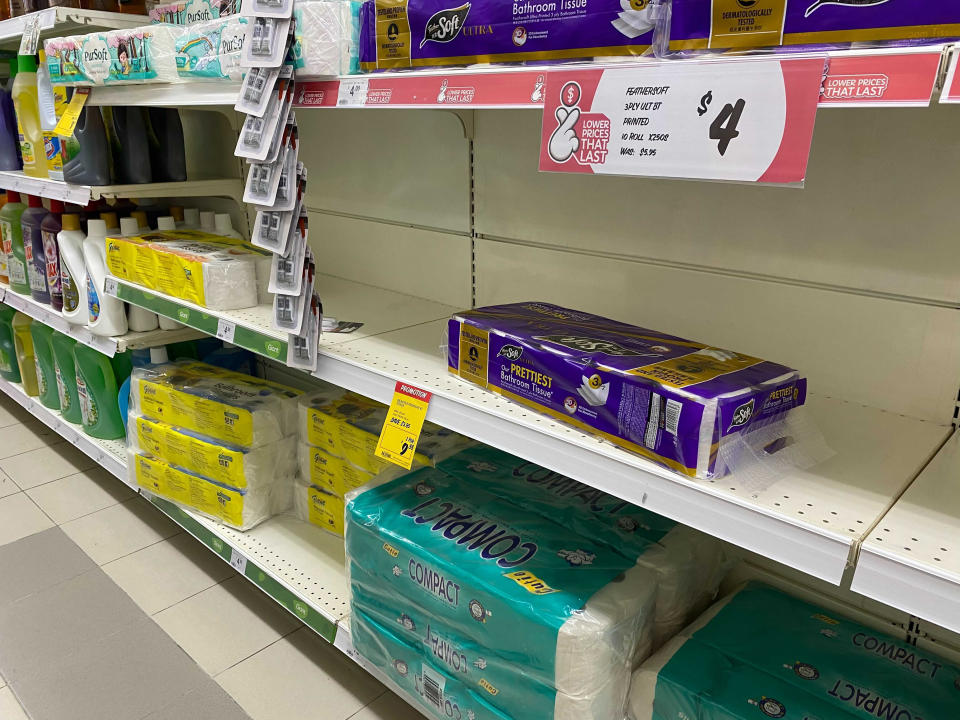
[[404, 421], [748, 121], [951, 87]]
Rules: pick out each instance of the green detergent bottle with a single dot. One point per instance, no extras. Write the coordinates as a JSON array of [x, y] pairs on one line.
[[66, 373], [9, 370], [97, 390], [43, 355], [23, 345]]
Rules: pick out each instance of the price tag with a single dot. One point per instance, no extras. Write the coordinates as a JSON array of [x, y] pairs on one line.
[[110, 285], [352, 93], [951, 86], [238, 562], [401, 430], [68, 121], [744, 120], [226, 330], [31, 35]]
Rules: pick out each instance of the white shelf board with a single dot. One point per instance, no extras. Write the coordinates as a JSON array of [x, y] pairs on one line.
[[812, 521], [911, 560], [83, 194], [107, 345], [109, 454], [58, 21], [184, 94]]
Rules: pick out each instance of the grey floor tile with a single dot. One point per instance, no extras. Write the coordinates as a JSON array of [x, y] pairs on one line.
[[205, 703], [124, 676], [38, 561], [53, 625]]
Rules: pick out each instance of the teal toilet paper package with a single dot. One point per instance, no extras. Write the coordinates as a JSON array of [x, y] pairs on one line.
[[534, 600], [761, 653]]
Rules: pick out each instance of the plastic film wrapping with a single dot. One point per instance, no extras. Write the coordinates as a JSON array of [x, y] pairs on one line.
[[326, 39], [134, 55]]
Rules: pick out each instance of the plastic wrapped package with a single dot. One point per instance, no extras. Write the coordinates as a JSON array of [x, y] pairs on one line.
[[454, 570], [689, 565], [212, 271], [333, 474], [193, 11], [734, 24], [433, 31], [317, 506], [240, 509], [761, 653], [239, 410], [132, 55], [326, 39], [211, 50], [227, 464], [682, 404]]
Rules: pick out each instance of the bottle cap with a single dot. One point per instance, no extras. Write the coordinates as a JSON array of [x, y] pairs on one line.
[[141, 218], [26, 63], [13, 196], [96, 227], [166, 223], [176, 212], [191, 216], [34, 201], [129, 226], [70, 221], [110, 218], [56, 206], [223, 223], [207, 221]]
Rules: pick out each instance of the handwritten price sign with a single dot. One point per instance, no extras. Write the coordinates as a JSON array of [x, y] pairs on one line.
[[750, 121]]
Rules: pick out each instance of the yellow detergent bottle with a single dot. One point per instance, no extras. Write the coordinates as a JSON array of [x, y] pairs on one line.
[[27, 106], [23, 342]]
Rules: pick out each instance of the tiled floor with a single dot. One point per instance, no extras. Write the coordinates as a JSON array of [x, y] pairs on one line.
[[108, 611]]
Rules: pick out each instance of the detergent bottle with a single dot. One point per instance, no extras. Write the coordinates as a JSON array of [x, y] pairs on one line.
[[32, 236], [87, 151], [9, 370], [23, 346], [138, 358], [16, 256], [66, 373], [168, 159], [49, 229], [97, 392], [138, 319], [52, 101], [73, 269], [46, 374], [4, 238], [131, 151], [26, 104], [9, 135], [107, 316]]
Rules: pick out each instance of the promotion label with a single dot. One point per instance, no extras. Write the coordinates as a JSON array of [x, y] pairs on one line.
[[747, 121], [951, 86], [402, 426]]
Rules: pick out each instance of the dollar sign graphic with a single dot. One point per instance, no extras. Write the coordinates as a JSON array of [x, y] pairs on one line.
[[569, 95], [704, 102]]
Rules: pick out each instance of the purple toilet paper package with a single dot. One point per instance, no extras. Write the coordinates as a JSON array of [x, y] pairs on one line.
[[743, 24], [431, 33], [682, 404]]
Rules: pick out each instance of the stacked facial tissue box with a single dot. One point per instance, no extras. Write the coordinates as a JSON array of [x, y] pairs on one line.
[[493, 588], [338, 437], [216, 441]]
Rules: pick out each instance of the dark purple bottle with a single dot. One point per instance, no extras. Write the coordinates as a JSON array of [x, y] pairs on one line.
[[33, 249], [49, 229]]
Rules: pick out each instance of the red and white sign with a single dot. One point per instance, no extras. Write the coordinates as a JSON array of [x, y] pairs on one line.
[[748, 121], [951, 87], [883, 79], [498, 88]]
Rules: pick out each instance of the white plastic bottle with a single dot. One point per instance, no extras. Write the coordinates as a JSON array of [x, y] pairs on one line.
[[139, 319], [73, 269], [207, 222], [191, 218], [166, 223], [107, 314]]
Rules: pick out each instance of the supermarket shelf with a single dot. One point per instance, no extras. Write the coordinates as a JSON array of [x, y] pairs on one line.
[[58, 21], [83, 194], [912, 559], [107, 345], [887, 77], [812, 521], [109, 454], [185, 94], [251, 326]]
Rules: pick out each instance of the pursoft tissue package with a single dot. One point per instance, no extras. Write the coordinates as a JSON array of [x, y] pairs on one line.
[[741, 24], [232, 408], [536, 620], [215, 272], [326, 41], [688, 564], [134, 55], [761, 653], [193, 11], [211, 50], [688, 406], [429, 33]]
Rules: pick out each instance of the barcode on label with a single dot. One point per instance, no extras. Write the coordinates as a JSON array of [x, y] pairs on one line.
[[672, 419], [432, 686], [653, 422]]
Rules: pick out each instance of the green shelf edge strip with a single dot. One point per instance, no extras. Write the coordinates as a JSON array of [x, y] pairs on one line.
[[323, 626], [244, 337]]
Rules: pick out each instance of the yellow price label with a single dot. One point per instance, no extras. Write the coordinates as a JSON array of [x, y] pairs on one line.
[[68, 121], [401, 430]]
